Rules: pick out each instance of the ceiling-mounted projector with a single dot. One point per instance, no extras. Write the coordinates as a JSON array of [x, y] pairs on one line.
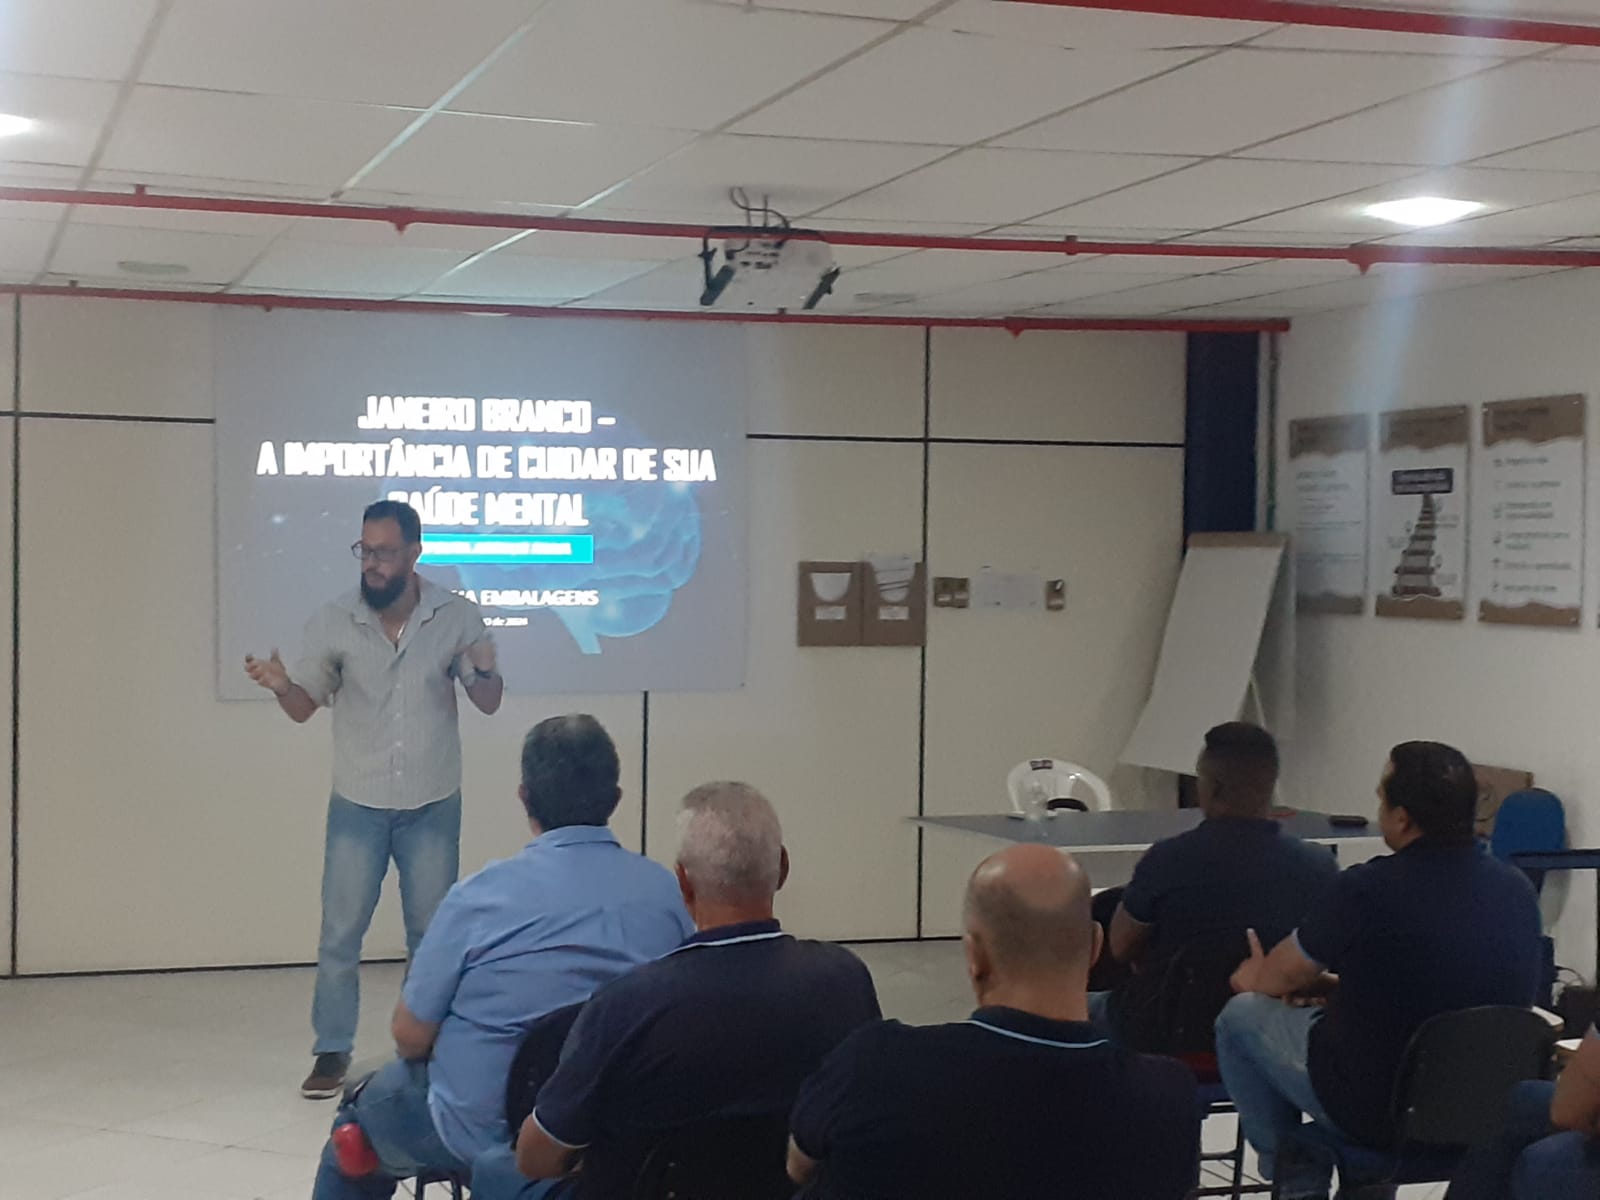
[[767, 265]]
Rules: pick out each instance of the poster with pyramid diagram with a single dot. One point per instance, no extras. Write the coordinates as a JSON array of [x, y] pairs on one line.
[[1422, 513]]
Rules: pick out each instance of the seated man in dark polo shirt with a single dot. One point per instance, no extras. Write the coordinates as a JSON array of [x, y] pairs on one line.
[[1025, 1100], [1236, 870], [1436, 926], [728, 1025]]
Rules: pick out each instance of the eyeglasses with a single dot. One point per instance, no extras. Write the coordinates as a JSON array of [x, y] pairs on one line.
[[382, 554]]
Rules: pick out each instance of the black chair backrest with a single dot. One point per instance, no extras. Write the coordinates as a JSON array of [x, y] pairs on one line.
[[536, 1061], [1196, 985], [733, 1158], [1458, 1069]]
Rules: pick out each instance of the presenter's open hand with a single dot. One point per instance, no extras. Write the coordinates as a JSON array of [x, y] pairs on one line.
[[270, 674], [1248, 975]]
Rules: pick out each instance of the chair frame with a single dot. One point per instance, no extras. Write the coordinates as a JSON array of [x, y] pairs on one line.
[[1401, 1108]]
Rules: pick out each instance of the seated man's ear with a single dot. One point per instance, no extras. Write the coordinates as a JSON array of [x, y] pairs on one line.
[[783, 867], [685, 885]]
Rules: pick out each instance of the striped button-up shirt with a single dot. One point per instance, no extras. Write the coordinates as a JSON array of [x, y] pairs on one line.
[[395, 739]]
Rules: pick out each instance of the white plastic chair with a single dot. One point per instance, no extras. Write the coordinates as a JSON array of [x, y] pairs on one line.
[[1056, 776]]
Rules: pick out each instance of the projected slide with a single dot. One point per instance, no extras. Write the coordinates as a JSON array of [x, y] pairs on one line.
[[582, 481]]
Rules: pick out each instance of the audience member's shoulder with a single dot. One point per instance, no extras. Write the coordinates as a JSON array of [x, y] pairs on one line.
[[832, 957], [1316, 856], [1158, 1077]]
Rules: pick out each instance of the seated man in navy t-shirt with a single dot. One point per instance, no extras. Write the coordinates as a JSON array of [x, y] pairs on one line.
[[1236, 870], [1436, 926], [728, 1025], [1025, 1100]]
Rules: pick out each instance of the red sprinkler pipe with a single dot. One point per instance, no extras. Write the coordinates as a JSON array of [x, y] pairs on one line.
[[1015, 325], [1363, 255], [1341, 16]]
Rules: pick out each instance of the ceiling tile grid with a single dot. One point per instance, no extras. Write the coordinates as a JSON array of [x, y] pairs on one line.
[[964, 118]]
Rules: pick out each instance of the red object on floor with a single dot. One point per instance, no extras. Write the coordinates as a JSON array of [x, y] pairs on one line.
[[353, 1152]]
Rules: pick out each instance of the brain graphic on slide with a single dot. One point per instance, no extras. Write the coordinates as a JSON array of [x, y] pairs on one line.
[[646, 547]]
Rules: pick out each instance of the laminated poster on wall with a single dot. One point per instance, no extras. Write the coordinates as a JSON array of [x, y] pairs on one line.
[[1528, 524], [1421, 513], [1328, 470]]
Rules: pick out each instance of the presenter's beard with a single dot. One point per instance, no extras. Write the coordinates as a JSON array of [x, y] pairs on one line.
[[380, 598]]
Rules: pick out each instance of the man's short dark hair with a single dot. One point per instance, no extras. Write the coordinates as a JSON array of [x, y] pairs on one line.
[[570, 772], [1242, 761], [401, 513], [1434, 783]]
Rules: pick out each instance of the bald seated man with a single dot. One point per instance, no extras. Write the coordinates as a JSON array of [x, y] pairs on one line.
[[1025, 1099]]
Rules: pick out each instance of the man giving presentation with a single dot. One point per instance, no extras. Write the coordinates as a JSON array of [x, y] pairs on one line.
[[386, 659]]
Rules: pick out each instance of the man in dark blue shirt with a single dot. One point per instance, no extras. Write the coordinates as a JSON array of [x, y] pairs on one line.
[[1236, 870], [1434, 927], [728, 1025], [1025, 1100]]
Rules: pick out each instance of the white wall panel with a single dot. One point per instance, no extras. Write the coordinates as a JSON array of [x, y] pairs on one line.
[[828, 734], [1521, 697], [124, 357], [1005, 686], [835, 382], [1043, 386]]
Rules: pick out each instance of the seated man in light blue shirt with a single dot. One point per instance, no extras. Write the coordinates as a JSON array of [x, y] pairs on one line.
[[519, 939]]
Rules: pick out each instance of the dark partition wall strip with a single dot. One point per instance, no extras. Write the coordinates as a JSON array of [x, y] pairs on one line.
[[1220, 430]]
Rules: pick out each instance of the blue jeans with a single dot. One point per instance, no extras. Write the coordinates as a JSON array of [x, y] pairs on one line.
[[1261, 1052], [392, 1110], [1530, 1161], [426, 846]]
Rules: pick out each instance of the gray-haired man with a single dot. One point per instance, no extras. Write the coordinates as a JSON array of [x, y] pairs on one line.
[[729, 1024]]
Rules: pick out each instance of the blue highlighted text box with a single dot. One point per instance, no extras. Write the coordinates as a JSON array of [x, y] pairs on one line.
[[507, 549]]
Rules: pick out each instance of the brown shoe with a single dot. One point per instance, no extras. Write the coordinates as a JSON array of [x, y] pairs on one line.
[[327, 1077]]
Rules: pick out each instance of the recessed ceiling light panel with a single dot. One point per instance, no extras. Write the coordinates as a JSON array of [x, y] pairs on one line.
[[1420, 212], [11, 125]]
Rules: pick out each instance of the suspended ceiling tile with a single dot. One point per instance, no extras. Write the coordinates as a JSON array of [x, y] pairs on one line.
[[68, 114], [397, 52], [1573, 151], [800, 175], [1200, 289], [1003, 186], [23, 244], [1367, 41], [557, 244], [501, 275], [1090, 29], [670, 285], [214, 134], [876, 10], [937, 88], [179, 220], [1041, 288], [201, 185], [1155, 264], [1249, 96], [658, 62], [1500, 191], [536, 162], [84, 39], [928, 272], [1498, 110], [369, 270], [98, 250], [382, 235], [1223, 191]]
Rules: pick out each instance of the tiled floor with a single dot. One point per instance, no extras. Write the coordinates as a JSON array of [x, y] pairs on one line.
[[183, 1087]]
